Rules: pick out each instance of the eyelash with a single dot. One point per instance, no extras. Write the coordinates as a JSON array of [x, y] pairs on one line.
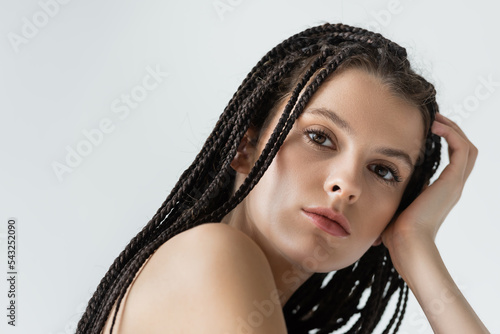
[[319, 132]]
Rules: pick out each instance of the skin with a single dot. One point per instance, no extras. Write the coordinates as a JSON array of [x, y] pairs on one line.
[[411, 239], [305, 172], [274, 248], [343, 169]]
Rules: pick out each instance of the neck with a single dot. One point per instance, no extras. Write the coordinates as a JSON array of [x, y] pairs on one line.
[[288, 276]]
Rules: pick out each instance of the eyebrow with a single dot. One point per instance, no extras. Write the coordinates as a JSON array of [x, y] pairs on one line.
[[344, 125], [398, 154], [330, 115]]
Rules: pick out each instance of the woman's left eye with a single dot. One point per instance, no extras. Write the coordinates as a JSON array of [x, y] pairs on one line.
[[319, 137], [386, 173]]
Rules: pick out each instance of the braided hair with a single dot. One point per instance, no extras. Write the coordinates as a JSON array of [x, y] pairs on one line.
[[204, 192]]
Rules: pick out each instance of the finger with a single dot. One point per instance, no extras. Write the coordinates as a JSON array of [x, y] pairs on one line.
[[445, 120], [458, 149], [473, 151]]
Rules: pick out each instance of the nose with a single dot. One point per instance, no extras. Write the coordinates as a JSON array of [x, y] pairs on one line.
[[344, 184]]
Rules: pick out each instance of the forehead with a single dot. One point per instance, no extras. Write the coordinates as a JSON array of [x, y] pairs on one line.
[[372, 111]]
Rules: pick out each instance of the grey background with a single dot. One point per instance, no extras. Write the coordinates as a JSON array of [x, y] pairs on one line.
[[70, 74]]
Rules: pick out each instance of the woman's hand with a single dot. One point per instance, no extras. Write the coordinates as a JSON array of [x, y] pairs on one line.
[[422, 219], [410, 239]]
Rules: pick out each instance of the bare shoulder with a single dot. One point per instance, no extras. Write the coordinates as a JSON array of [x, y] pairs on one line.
[[212, 278]]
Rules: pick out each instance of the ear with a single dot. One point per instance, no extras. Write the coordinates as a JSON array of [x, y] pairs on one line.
[[244, 159]]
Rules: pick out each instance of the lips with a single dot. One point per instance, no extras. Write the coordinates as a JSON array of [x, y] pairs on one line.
[[329, 220]]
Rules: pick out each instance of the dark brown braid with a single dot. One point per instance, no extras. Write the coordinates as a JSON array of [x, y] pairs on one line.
[[204, 192]]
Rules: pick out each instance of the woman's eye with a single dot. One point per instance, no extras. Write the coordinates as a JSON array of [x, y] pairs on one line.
[[385, 173], [319, 138]]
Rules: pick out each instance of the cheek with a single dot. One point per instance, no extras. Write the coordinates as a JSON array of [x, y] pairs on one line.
[[382, 208], [375, 208], [285, 184], [283, 178]]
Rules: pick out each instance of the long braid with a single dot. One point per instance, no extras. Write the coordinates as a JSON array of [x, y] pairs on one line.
[[179, 189], [155, 222], [268, 152], [403, 307], [398, 311], [147, 251], [201, 195]]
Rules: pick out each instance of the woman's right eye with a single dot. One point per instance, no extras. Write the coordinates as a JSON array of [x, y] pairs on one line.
[[319, 137]]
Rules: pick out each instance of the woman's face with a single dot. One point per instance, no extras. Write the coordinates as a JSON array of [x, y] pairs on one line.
[[352, 151]]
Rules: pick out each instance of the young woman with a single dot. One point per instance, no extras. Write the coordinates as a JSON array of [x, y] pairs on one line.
[[319, 165]]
